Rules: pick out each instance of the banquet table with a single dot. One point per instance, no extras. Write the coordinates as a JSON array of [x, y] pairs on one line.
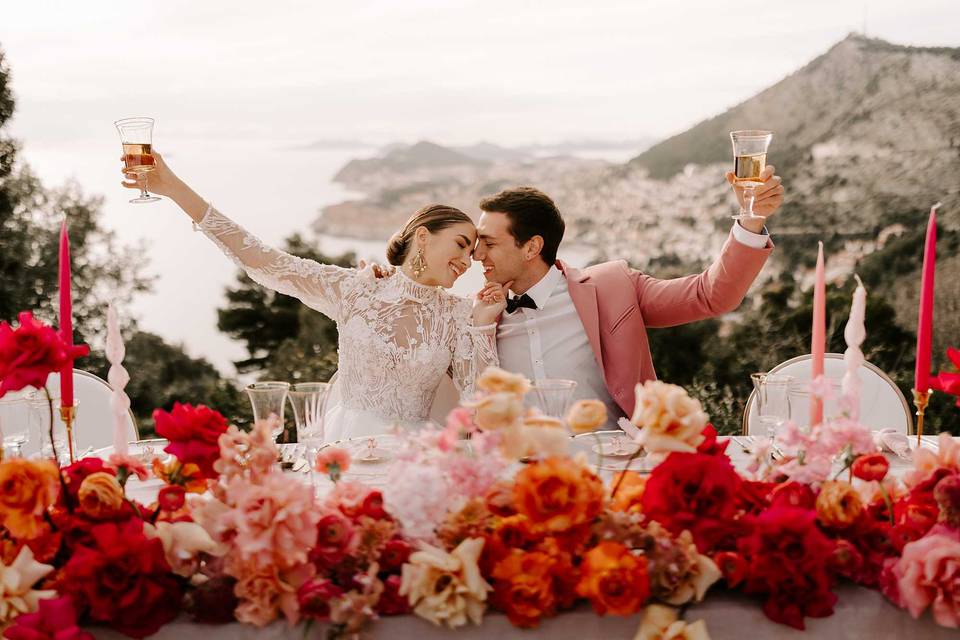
[[859, 612]]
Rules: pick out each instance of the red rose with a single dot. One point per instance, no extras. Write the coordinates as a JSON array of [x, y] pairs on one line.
[[710, 446], [372, 506], [194, 434], [55, 619], [123, 580], [873, 466], [875, 540], [947, 495], [171, 497], [732, 566], [31, 352], [391, 603], [335, 538], [846, 559], [314, 598], [793, 494], [693, 491], [788, 558], [946, 381], [213, 601], [395, 554]]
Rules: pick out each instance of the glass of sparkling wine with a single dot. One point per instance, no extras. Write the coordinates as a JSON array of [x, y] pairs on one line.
[[136, 135], [749, 159]]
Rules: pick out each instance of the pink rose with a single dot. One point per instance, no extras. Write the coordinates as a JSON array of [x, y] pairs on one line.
[[928, 575]]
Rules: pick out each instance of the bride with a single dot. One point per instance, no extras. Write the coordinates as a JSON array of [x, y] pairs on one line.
[[399, 335]]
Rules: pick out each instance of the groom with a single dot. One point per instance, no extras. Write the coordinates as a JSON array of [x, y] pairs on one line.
[[590, 325]]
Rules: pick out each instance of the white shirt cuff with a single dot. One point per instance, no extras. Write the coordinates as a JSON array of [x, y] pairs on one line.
[[749, 238]]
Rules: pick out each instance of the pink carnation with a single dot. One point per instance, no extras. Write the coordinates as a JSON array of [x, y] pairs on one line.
[[275, 521], [928, 575], [133, 465], [333, 461]]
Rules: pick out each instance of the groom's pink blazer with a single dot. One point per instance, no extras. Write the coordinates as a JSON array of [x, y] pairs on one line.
[[616, 304]]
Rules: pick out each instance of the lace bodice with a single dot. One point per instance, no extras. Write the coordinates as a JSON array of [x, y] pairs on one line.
[[397, 337]]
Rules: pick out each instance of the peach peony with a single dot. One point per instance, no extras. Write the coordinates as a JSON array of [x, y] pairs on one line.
[[928, 575], [669, 419], [586, 415]]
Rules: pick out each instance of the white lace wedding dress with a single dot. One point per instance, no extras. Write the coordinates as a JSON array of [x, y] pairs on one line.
[[398, 338]]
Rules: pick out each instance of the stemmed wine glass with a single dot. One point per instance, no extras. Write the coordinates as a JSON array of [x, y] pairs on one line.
[[136, 135], [749, 159]]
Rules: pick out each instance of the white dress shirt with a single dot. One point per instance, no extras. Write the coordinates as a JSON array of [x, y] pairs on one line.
[[550, 341]]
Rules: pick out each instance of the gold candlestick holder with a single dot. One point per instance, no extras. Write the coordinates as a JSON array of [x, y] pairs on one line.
[[920, 401], [68, 415]]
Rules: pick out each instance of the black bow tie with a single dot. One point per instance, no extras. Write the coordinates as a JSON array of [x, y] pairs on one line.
[[520, 301]]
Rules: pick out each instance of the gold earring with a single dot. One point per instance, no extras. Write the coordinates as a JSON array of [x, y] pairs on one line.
[[419, 264]]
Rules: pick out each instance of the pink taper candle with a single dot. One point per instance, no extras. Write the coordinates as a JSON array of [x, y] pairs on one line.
[[66, 317], [925, 315], [819, 338]]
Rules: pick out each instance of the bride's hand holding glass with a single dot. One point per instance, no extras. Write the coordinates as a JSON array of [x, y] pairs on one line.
[[161, 180], [489, 303]]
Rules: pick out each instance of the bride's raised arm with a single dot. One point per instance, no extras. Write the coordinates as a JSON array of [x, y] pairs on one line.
[[320, 286]]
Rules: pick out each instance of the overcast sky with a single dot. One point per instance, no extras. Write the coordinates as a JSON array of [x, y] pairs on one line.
[[506, 71]]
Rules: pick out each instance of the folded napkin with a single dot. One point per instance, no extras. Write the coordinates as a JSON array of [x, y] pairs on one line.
[[628, 428], [893, 441]]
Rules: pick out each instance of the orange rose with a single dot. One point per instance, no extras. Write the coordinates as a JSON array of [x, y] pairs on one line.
[[630, 493], [557, 494], [27, 489], [838, 504], [187, 475], [101, 496], [523, 587], [614, 579]]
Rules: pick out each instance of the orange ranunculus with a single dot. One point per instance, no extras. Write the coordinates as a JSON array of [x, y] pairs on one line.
[[630, 492], [187, 475], [838, 504], [614, 579], [557, 494], [27, 489], [101, 496], [523, 587]]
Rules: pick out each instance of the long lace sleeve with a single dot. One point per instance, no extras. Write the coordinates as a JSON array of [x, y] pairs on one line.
[[475, 349], [319, 286]]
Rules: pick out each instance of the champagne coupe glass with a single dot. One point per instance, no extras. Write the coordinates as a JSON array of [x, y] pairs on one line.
[[553, 396], [136, 135], [268, 400], [773, 400], [749, 159], [307, 400]]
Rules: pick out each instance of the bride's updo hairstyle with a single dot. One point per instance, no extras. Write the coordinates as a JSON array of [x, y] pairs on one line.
[[434, 217]]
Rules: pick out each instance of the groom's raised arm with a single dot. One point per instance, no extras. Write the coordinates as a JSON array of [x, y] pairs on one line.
[[718, 290]]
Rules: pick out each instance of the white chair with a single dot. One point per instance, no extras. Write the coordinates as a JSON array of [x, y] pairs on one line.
[[93, 426], [882, 404]]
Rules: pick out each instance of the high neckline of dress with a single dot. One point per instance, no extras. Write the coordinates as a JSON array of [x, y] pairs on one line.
[[414, 289]]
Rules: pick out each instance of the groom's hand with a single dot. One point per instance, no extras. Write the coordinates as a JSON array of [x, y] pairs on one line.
[[768, 199]]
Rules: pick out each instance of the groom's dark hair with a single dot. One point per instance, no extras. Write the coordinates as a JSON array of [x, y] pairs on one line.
[[531, 212]]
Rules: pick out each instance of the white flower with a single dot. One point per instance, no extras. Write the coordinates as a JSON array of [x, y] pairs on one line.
[[182, 543], [446, 588], [660, 623], [16, 585]]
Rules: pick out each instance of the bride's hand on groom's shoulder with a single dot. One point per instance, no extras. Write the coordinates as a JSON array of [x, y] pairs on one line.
[[489, 303]]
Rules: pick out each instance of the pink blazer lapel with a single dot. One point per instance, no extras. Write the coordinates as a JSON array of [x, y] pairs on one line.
[[584, 296]]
